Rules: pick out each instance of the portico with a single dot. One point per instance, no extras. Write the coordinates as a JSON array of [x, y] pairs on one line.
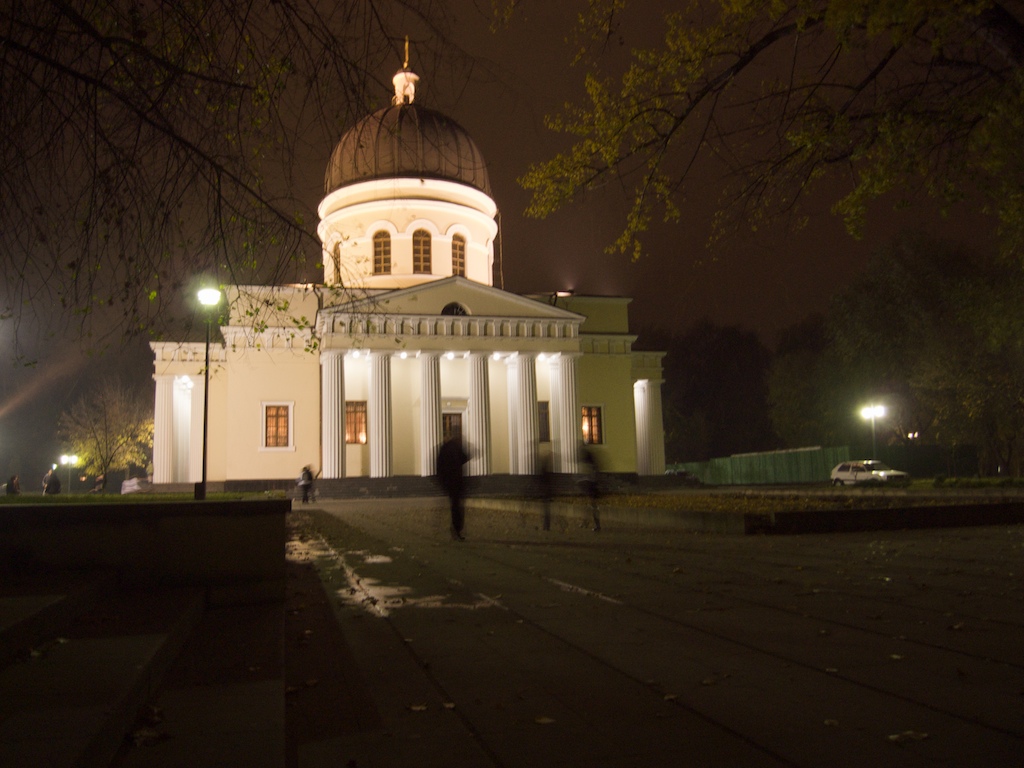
[[482, 372]]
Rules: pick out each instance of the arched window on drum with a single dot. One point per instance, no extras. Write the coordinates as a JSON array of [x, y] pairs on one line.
[[459, 255], [382, 253], [421, 252]]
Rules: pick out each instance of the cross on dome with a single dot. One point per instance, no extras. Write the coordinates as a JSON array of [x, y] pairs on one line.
[[405, 81], [405, 87]]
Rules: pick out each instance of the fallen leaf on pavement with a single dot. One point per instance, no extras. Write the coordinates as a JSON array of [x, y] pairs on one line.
[[897, 738]]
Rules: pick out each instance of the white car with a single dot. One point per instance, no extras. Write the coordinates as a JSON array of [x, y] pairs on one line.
[[859, 472]]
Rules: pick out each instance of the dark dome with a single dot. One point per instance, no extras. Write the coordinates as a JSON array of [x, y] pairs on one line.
[[402, 141]]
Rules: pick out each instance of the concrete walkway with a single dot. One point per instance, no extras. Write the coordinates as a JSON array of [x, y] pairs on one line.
[[637, 647], [653, 642]]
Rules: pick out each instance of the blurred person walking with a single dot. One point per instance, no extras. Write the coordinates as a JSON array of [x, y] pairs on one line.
[[451, 457]]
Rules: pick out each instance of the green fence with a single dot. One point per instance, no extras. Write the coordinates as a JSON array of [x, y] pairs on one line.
[[801, 465]]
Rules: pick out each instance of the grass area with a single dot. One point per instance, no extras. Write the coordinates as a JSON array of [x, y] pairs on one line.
[[920, 492], [131, 498]]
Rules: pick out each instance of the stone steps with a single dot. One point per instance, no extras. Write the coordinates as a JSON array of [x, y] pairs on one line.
[[34, 607], [222, 703], [95, 674]]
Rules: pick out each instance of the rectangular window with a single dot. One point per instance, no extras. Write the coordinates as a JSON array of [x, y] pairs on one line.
[[593, 433], [355, 422], [277, 425], [544, 421]]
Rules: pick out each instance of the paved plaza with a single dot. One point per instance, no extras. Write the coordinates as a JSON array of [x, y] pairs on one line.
[[644, 647]]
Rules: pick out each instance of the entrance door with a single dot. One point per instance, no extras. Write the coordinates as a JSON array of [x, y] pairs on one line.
[[451, 424]]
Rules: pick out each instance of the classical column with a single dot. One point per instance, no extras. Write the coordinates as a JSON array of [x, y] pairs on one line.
[[565, 414], [195, 430], [524, 397], [514, 417], [332, 413], [650, 431], [163, 430], [479, 415], [430, 412], [379, 414]]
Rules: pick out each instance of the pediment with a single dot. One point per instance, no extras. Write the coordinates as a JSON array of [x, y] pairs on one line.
[[434, 297]]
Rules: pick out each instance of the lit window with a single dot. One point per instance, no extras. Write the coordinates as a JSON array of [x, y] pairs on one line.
[[543, 422], [355, 422], [593, 434], [421, 252], [459, 255], [277, 432], [382, 253]]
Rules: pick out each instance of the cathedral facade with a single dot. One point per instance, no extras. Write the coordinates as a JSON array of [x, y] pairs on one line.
[[407, 340]]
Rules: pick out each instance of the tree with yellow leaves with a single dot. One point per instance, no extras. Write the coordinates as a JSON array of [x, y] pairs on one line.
[[897, 97]]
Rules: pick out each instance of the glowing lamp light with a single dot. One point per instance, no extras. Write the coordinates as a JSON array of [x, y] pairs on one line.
[[872, 412], [209, 297], [69, 462]]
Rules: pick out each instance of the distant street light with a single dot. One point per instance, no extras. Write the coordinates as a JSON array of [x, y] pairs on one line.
[[872, 412], [208, 297], [69, 462]]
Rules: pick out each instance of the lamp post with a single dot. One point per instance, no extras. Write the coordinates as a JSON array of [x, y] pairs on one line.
[[208, 297], [69, 462], [872, 412]]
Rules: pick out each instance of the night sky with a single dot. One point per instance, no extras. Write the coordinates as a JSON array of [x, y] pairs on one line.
[[762, 283]]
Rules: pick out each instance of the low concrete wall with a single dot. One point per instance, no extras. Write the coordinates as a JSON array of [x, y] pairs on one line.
[[970, 512], [567, 514], [938, 516], [235, 549]]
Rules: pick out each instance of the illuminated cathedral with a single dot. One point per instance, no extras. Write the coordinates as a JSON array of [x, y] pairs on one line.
[[407, 340]]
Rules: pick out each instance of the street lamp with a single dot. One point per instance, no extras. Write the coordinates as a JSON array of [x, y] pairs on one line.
[[208, 297], [69, 462], [872, 412]]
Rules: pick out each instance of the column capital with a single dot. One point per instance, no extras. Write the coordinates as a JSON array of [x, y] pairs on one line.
[[331, 354]]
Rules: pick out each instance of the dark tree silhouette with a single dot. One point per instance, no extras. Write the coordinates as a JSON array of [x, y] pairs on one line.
[[899, 97], [145, 143]]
